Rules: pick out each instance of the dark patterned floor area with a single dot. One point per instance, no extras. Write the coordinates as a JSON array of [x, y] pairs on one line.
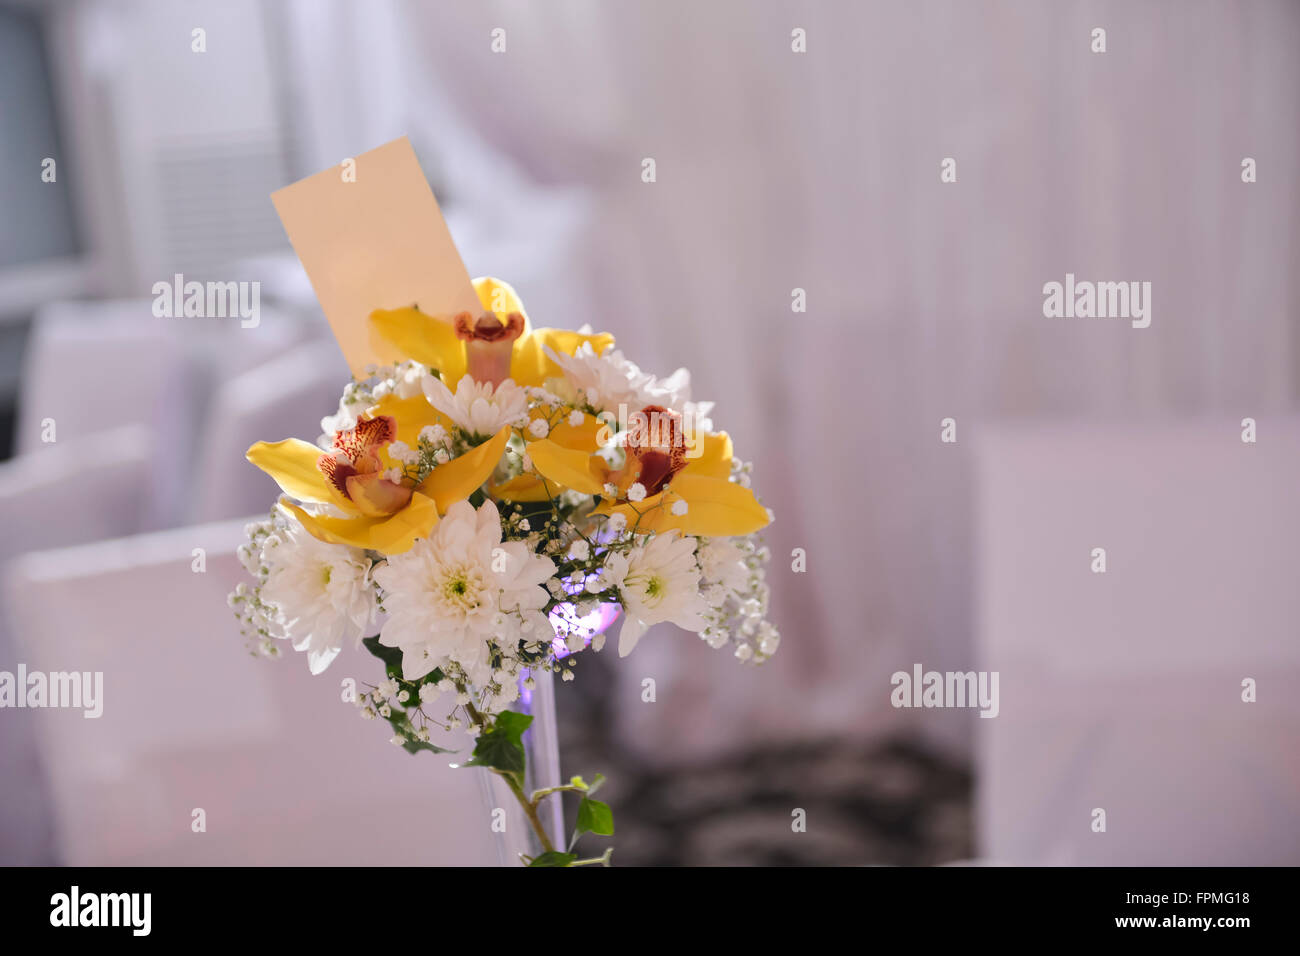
[[893, 803]]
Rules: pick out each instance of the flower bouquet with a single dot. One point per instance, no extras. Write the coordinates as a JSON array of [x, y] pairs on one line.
[[480, 509]]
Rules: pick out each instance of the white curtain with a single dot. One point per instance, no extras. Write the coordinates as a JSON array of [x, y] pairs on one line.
[[779, 170]]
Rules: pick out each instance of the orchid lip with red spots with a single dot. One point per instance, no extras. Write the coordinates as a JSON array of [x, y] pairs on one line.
[[656, 447], [355, 469]]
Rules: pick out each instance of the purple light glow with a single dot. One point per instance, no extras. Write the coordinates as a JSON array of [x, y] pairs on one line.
[[566, 620]]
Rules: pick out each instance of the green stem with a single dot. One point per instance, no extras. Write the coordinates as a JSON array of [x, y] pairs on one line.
[[530, 806], [603, 859], [530, 810], [547, 791]]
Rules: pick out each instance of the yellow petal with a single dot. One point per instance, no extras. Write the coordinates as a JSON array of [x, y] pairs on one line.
[[461, 477], [292, 463], [568, 467], [411, 415], [714, 459], [410, 334], [391, 535], [521, 488], [530, 365], [715, 507], [646, 515], [500, 299], [584, 437]]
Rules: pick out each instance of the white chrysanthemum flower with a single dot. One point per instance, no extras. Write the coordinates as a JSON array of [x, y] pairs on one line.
[[322, 593], [658, 581], [460, 588], [608, 378], [478, 407], [671, 392]]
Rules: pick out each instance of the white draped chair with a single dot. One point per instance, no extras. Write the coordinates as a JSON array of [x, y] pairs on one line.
[[283, 398], [68, 492], [1122, 691], [284, 771], [91, 366]]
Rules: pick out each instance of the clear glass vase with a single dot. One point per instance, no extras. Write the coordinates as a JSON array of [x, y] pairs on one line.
[[542, 769], [541, 742]]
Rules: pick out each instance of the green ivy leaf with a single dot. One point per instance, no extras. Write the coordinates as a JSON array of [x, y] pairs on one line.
[[415, 746], [554, 858], [502, 747], [512, 723], [594, 817]]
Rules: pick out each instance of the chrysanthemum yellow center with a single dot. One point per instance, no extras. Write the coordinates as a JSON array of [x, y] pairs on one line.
[[652, 586], [461, 589]]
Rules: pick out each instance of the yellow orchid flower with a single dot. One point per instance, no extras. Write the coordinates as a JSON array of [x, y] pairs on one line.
[[376, 512], [531, 487], [714, 506], [496, 345]]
